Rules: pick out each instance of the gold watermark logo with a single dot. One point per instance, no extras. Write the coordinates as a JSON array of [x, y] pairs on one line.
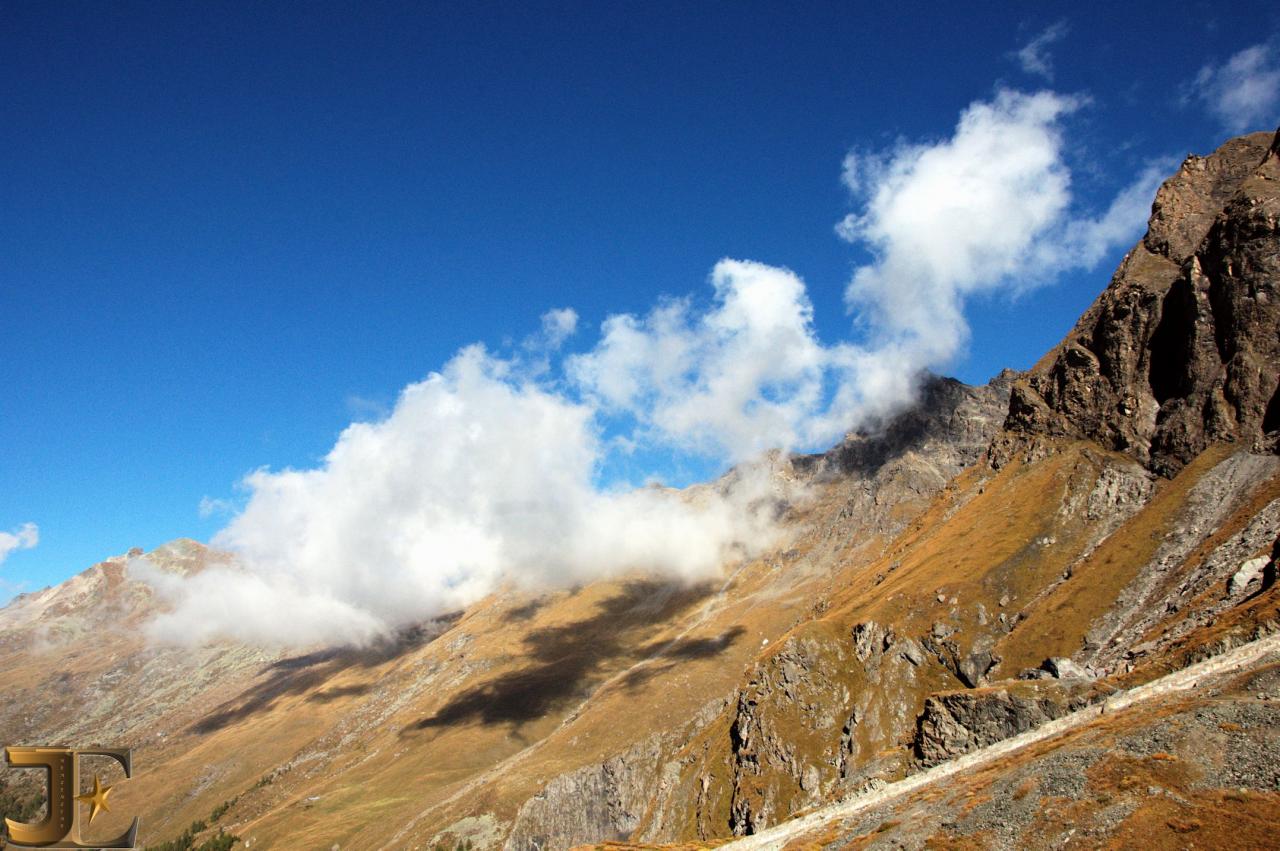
[[61, 826]]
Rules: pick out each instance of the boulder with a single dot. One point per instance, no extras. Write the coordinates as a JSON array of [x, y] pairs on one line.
[[1249, 571], [1062, 668]]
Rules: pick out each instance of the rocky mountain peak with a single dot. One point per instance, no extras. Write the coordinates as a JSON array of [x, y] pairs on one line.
[[887, 471], [1188, 202], [949, 425], [1182, 349], [106, 592]]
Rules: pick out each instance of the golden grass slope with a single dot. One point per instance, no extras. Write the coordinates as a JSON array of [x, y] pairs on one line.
[[452, 735]]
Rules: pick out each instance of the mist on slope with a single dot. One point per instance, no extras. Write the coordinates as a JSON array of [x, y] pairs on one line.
[[487, 472]]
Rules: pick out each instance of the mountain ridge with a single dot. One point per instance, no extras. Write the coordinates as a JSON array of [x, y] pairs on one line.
[[991, 559]]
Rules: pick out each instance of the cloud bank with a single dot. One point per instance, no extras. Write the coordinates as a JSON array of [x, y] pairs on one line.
[[1244, 92], [477, 478], [488, 472], [25, 537]]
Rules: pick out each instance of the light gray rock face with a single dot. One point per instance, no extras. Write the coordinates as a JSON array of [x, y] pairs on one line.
[[1117, 636], [949, 427], [870, 641], [1181, 349], [797, 679], [593, 804], [973, 668], [954, 723], [910, 457], [606, 801], [794, 704], [912, 652]]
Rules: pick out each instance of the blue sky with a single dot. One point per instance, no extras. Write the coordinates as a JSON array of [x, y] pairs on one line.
[[229, 230]]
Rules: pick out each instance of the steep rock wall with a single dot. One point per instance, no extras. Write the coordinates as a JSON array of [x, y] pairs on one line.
[[1180, 351]]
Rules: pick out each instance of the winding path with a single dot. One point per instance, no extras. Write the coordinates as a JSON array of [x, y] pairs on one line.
[[1183, 680]]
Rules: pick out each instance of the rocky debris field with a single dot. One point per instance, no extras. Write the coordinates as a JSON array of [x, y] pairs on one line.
[[1193, 768]]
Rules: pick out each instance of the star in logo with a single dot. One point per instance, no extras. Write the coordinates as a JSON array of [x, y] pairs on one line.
[[97, 799]]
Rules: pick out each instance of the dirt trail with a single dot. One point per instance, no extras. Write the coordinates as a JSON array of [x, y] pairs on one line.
[[1185, 679]]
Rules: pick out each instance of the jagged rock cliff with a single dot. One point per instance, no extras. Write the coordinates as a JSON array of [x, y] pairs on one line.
[[1181, 350], [1109, 570], [957, 722]]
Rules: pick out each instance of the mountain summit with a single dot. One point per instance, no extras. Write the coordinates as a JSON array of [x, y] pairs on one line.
[[1180, 351]]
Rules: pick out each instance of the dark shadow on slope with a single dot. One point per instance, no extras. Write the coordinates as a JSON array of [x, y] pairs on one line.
[[300, 674], [527, 610], [331, 694], [931, 418], [682, 650], [286, 677], [685, 649], [564, 663], [295, 663]]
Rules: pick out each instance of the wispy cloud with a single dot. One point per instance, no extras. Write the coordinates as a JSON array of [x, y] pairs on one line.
[[487, 471], [364, 409], [559, 325], [211, 506], [1035, 57], [1243, 93], [24, 537]]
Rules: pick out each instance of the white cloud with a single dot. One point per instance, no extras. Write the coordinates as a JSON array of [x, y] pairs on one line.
[[485, 473], [851, 170], [1035, 57], [476, 479], [1243, 93], [988, 209], [209, 506], [746, 375], [558, 325], [960, 216], [24, 537]]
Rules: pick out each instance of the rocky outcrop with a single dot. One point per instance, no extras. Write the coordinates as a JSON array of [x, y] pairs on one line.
[[592, 804], [786, 719], [888, 469], [950, 425], [819, 717], [1181, 350], [957, 722], [608, 800], [1063, 668], [1249, 571], [1173, 580]]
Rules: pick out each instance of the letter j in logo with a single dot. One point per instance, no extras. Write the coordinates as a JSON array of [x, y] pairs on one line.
[[61, 827]]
